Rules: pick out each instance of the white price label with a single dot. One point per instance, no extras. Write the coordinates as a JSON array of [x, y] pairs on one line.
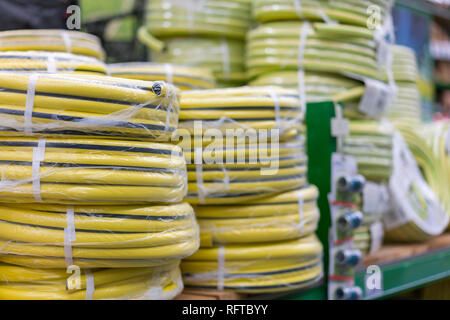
[[376, 98], [340, 127]]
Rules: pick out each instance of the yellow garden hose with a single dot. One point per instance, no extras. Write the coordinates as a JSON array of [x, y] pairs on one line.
[[155, 283], [353, 12], [338, 49], [52, 40], [52, 62], [90, 171], [211, 18], [244, 108], [256, 268], [87, 105], [105, 236], [285, 216], [184, 78], [223, 57]]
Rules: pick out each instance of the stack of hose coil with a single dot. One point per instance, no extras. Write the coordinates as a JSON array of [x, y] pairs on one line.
[[184, 78], [206, 34], [371, 144], [87, 105], [51, 62], [75, 42], [407, 105], [250, 191], [352, 12], [22, 283]]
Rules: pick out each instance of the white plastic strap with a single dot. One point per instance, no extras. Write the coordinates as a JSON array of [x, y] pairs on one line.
[[226, 180], [69, 235], [171, 96], [169, 73], [221, 269], [301, 213], [198, 159], [276, 103], [90, 285], [51, 63], [67, 41], [298, 7], [225, 50], [29, 104], [38, 156], [301, 73]]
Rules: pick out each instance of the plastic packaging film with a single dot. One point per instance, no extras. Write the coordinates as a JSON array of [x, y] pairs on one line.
[[51, 62], [106, 236], [184, 78], [351, 12], [256, 268], [223, 57], [155, 283], [91, 171], [52, 40], [68, 105]]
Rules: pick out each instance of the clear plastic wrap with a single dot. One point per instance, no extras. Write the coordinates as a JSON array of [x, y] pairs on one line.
[[86, 105], [224, 57], [151, 283], [352, 12], [256, 268], [52, 40], [184, 78], [90, 171], [51, 62], [285, 216], [57, 236], [167, 18]]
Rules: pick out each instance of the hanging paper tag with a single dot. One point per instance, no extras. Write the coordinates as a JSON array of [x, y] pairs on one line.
[[376, 98], [340, 127], [375, 199]]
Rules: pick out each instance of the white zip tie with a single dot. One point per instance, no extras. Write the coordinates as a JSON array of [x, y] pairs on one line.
[[198, 160], [69, 235], [29, 104], [90, 285], [298, 7], [276, 103], [67, 41], [225, 49], [301, 213], [51, 63], [226, 180], [221, 269], [38, 156], [301, 72], [169, 73]]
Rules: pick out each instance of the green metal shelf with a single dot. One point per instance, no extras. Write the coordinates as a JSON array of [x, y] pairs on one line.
[[442, 86]]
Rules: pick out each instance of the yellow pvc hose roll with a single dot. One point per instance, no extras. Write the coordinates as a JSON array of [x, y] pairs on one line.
[[353, 12], [87, 105], [52, 40], [90, 171], [184, 78], [103, 236], [256, 268], [155, 283], [237, 175], [225, 58], [212, 18], [285, 216], [51, 62]]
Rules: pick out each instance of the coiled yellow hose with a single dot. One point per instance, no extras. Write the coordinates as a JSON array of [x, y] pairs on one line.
[[87, 105], [90, 171], [107, 237], [211, 18], [353, 12], [285, 216], [52, 40], [223, 57], [52, 62], [156, 283], [275, 46], [184, 78], [256, 268]]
